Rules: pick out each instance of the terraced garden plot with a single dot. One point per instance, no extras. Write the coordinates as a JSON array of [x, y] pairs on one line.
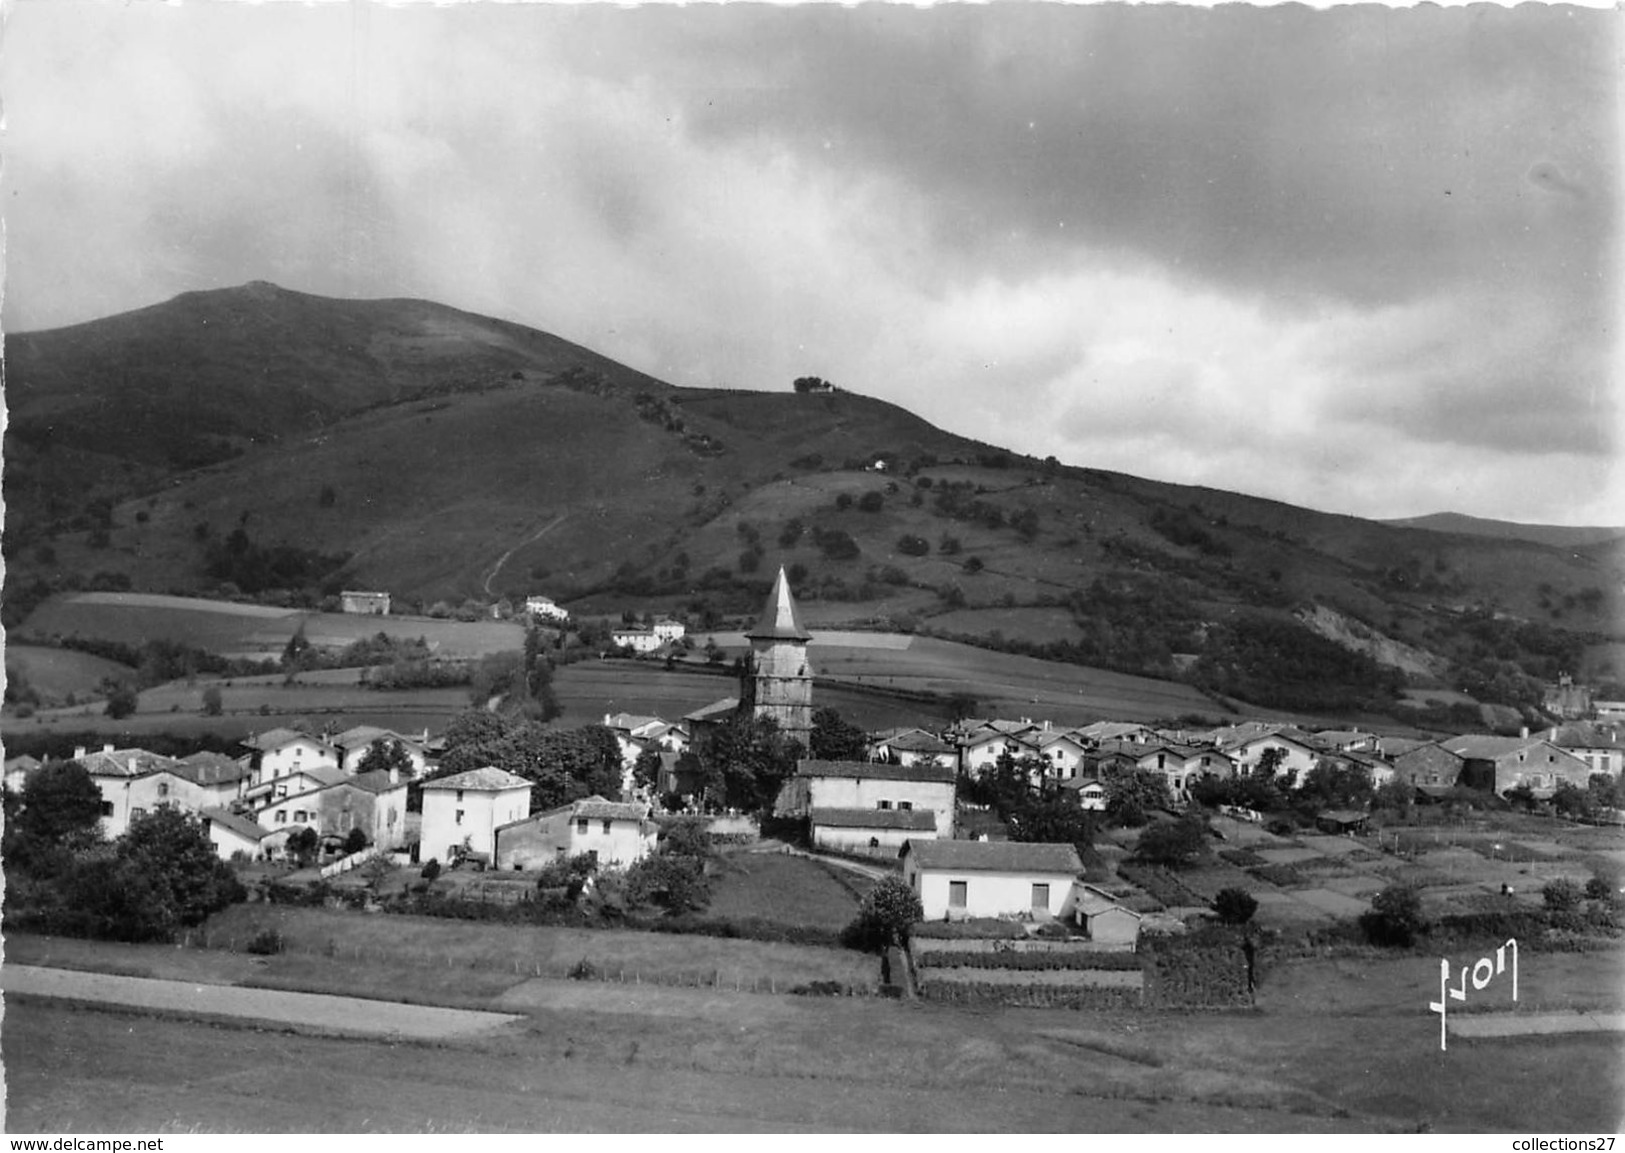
[[1332, 903], [1339, 847], [1287, 856], [1362, 886], [1207, 882]]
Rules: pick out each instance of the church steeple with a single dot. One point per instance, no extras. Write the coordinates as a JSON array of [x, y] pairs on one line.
[[780, 675]]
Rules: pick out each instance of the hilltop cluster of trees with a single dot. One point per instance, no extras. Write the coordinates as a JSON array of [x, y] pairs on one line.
[[238, 561]]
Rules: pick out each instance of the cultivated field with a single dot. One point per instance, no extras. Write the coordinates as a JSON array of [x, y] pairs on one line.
[[56, 674], [252, 631]]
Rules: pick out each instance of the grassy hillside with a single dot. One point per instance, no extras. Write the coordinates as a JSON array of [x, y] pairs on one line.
[[445, 457]]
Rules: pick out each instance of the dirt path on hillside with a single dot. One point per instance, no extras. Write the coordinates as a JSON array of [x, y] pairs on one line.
[[535, 536], [307, 1012]]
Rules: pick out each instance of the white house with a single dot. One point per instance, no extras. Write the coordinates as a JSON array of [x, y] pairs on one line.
[[635, 637], [231, 833], [132, 783], [1089, 792], [353, 745], [540, 606], [279, 752], [1063, 752], [882, 831], [373, 802], [1297, 754], [464, 811], [667, 630], [366, 603], [619, 834], [870, 785], [911, 746], [962, 879], [18, 770]]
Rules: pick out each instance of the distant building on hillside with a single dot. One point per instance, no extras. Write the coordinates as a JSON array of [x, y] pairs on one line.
[[543, 607], [1567, 699], [367, 604]]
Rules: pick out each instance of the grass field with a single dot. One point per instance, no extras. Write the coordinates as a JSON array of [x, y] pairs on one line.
[[56, 673], [776, 887], [251, 630]]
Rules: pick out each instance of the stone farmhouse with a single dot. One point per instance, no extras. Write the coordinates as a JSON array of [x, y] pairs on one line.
[[615, 833]]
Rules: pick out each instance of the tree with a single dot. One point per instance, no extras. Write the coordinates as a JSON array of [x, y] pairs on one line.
[[1235, 906], [431, 870], [646, 769], [833, 739], [355, 842], [812, 384], [747, 761], [297, 654], [61, 803], [1133, 795], [213, 704], [167, 860], [1395, 917], [1052, 822], [1173, 843], [688, 837], [121, 701], [885, 915], [385, 754], [302, 843], [676, 883], [1562, 895]]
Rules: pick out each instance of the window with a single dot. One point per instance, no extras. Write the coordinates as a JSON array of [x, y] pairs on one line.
[[459, 796], [581, 825], [282, 816], [137, 812], [884, 805], [1040, 896], [874, 842], [163, 788], [606, 828], [906, 806], [107, 808], [956, 894], [459, 816]]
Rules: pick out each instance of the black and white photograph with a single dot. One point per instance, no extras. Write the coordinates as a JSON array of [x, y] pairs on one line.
[[881, 569]]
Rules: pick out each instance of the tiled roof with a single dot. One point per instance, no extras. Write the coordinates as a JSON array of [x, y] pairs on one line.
[[211, 769], [1093, 901], [995, 856], [629, 721], [875, 771], [1587, 736], [276, 738], [490, 779], [240, 825], [1476, 746], [598, 809], [780, 620], [129, 763], [1081, 783], [912, 820], [918, 742]]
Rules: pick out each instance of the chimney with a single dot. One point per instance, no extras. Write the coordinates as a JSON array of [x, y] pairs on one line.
[[79, 752], [1524, 732], [1552, 736], [394, 774], [107, 748]]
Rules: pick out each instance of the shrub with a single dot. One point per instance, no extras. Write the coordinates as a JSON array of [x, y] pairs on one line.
[[1395, 917], [213, 705], [583, 970], [1601, 887], [1562, 895], [913, 545], [871, 502], [266, 943], [884, 916], [431, 870], [674, 883], [1235, 906]]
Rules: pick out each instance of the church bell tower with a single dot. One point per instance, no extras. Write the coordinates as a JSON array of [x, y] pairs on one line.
[[779, 681]]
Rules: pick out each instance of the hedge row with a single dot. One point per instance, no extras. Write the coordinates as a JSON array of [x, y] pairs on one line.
[[969, 930], [1284, 876], [1243, 858], [957, 958], [1031, 996]]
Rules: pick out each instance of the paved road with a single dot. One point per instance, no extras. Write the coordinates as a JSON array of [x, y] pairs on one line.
[[1531, 1024], [306, 1012]]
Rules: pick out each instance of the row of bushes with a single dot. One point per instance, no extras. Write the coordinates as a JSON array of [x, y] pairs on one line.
[[970, 930], [1002, 959], [1032, 996]]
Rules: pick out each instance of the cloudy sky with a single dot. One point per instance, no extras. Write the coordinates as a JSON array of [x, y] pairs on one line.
[[1360, 259]]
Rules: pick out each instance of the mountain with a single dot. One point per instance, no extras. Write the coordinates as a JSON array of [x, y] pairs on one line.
[[272, 439], [1556, 535]]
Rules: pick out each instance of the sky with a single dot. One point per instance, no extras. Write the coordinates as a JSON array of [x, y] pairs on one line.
[[1360, 259]]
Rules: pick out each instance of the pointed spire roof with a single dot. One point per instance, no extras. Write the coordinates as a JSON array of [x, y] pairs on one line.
[[779, 620]]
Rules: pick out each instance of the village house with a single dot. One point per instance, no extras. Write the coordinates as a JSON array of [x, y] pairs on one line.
[[911, 746], [365, 603], [462, 812], [870, 785], [962, 879], [1499, 764], [1101, 732], [1598, 745], [373, 802], [132, 783], [1247, 748], [616, 834], [1063, 752], [668, 631], [279, 752], [544, 609], [216, 780], [1088, 793], [879, 831], [635, 637], [294, 783], [18, 770], [981, 747], [232, 834], [353, 745], [1428, 764]]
